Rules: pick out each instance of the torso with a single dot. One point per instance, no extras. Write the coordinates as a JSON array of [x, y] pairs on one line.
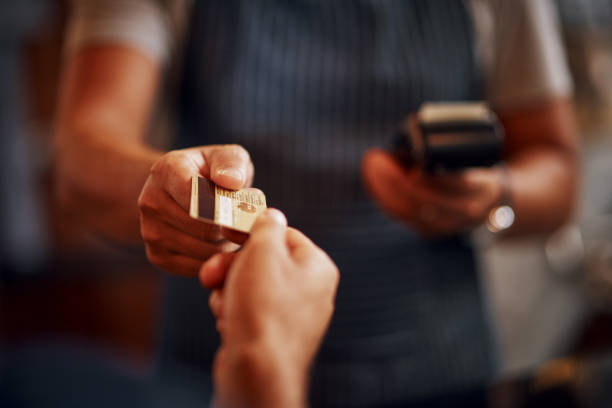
[[306, 87]]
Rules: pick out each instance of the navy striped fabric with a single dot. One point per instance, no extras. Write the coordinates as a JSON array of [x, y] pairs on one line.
[[306, 86]]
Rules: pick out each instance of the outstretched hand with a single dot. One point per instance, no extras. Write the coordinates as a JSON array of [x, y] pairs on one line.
[[273, 301]]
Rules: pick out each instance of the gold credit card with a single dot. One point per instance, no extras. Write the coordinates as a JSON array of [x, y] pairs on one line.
[[232, 209]]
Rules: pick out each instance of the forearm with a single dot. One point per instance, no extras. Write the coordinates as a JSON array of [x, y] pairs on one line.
[[99, 179], [259, 376], [543, 184], [105, 100], [542, 156]]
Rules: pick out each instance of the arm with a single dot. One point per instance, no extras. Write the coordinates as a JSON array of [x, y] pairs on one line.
[[273, 301], [541, 153], [528, 84], [106, 97], [542, 156], [118, 185]]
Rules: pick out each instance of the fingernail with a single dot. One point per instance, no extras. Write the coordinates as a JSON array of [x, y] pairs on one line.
[[276, 216], [231, 172]]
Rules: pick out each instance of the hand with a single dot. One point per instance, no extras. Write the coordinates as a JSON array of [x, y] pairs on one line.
[[174, 241], [434, 205], [273, 301]]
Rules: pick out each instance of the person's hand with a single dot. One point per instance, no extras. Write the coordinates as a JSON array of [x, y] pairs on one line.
[[273, 301], [437, 205], [174, 241]]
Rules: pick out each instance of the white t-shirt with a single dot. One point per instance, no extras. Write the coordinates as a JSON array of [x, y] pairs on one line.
[[517, 42]]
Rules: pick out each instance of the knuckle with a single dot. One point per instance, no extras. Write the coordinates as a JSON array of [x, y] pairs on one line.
[[156, 166], [150, 234], [239, 151], [154, 256], [147, 205], [141, 202], [334, 275], [174, 156], [177, 158], [320, 255], [168, 162], [160, 166]]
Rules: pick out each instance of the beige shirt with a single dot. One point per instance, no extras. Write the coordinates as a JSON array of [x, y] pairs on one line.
[[517, 41]]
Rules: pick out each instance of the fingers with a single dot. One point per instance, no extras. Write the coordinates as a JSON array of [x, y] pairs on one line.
[[158, 205], [469, 195], [434, 204], [179, 247], [215, 302], [230, 166], [382, 173], [462, 183], [300, 246], [268, 229], [173, 240], [312, 258], [313, 262], [392, 186], [402, 190], [173, 172], [172, 262], [158, 233], [234, 236], [214, 271], [297, 239]]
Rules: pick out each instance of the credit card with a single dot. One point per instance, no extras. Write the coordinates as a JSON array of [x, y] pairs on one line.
[[236, 210]]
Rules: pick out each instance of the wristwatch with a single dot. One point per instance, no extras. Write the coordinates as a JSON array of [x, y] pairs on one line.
[[502, 217]]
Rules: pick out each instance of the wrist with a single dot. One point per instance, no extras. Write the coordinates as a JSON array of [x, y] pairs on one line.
[[263, 376]]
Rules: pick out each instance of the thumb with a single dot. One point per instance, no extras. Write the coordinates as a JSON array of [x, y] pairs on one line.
[[214, 271], [229, 166], [378, 166], [270, 226]]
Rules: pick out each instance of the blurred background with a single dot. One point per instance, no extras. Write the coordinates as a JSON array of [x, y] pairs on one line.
[[59, 285]]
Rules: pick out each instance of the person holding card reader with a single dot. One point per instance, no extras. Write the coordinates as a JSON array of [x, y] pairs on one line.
[[308, 95]]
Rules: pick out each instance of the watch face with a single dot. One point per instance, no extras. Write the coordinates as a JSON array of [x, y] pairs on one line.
[[500, 218]]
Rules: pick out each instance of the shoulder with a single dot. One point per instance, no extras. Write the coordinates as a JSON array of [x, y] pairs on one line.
[[520, 50], [148, 25]]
